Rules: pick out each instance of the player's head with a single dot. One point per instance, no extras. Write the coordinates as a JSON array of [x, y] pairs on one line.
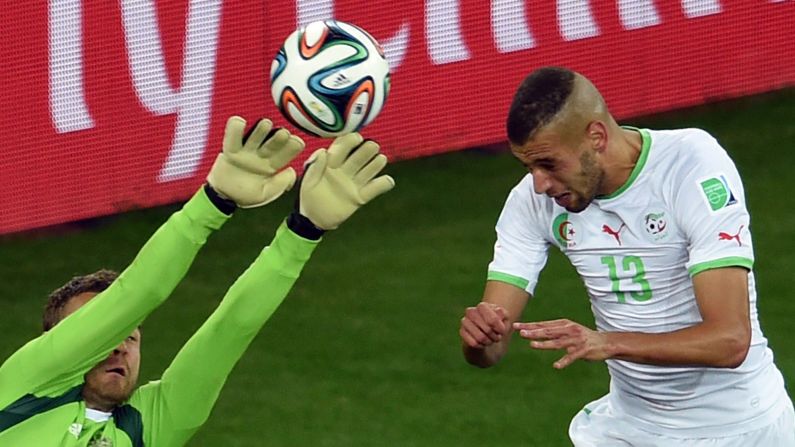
[[112, 381], [557, 126]]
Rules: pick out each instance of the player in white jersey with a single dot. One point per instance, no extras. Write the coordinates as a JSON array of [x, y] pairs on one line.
[[656, 225]]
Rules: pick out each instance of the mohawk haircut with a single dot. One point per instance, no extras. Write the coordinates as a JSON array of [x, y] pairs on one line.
[[93, 282], [537, 100]]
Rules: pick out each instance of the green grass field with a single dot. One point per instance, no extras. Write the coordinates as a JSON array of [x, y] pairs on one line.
[[365, 350]]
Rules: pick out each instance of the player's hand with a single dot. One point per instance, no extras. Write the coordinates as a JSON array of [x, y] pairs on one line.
[[579, 341], [338, 181], [484, 325], [250, 171]]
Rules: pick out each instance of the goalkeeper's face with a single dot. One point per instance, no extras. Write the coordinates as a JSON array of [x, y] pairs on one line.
[[111, 382]]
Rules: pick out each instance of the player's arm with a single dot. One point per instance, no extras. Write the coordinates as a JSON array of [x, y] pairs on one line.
[[486, 328], [336, 183], [519, 255], [77, 343], [721, 340]]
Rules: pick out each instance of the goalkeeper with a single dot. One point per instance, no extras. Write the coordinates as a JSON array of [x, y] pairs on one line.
[[75, 384]]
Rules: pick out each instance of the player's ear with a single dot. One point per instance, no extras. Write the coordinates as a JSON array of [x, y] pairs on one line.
[[596, 133]]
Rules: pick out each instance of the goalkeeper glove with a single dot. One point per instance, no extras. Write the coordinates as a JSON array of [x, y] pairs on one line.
[[338, 181], [247, 170]]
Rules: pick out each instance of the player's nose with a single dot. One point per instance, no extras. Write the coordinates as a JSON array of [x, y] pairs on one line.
[[121, 349], [541, 182]]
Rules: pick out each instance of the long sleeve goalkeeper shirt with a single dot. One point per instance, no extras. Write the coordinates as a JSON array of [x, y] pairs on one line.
[[41, 384]]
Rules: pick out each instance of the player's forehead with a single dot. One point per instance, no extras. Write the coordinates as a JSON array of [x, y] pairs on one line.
[[76, 302], [543, 144]]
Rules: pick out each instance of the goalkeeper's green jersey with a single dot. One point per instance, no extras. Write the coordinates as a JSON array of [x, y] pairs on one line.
[[41, 403]]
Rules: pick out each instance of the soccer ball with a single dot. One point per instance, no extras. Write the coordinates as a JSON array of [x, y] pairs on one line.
[[330, 78]]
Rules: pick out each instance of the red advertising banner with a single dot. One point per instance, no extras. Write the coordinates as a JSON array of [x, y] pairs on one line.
[[108, 106]]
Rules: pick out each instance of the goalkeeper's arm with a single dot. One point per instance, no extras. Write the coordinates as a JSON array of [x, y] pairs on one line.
[[336, 183], [247, 173]]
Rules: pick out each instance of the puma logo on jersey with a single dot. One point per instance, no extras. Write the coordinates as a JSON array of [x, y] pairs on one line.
[[615, 233], [723, 236]]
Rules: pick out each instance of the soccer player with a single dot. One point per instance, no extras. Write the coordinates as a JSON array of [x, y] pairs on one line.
[[75, 384], [656, 225]]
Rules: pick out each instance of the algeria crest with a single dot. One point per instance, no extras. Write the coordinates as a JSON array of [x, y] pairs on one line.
[[565, 232]]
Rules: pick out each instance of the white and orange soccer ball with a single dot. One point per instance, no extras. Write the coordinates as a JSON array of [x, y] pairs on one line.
[[330, 78]]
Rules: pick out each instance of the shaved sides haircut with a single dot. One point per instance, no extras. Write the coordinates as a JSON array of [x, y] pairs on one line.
[[538, 99]]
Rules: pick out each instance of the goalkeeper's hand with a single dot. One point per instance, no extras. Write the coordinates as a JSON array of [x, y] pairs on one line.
[[247, 171], [338, 181]]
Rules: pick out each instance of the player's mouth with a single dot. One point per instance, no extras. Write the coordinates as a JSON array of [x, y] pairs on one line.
[[118, 371], [563, 200]]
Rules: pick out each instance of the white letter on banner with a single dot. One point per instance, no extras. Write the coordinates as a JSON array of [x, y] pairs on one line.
[[395, 47], [192, 101], [700, 8], [575, 19], [510, 27], [636, 14], [443, 31], [67, 96]]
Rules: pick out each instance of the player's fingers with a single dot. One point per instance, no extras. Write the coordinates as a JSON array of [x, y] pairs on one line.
[[370, 170], [376, 187], [558, 343], [282, 153], [273, 142], [493, 318], [257, 134], [314, 168], [233, 133], [342, 147], [474, 316], [501, 312], [540, 324], [568, 359], [360, 157], [483, 338], [547, 333], [468, 338], [493, 315]]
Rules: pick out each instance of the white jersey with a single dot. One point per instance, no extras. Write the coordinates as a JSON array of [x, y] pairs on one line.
[[682, 211]]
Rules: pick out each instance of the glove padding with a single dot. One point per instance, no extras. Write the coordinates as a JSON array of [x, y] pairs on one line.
[[247, 172], [338, 181]]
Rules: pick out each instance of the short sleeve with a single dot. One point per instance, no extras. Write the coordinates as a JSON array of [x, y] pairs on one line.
[[709, 204], [520, 251]]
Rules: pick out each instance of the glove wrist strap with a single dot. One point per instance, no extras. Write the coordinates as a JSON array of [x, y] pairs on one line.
[[224, 205], [302, 226]]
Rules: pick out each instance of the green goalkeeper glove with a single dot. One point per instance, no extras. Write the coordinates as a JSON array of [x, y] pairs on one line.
[[338, 181], [247, 170]]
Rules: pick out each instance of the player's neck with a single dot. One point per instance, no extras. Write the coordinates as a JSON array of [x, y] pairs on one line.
[[623, 157], [96, 402]]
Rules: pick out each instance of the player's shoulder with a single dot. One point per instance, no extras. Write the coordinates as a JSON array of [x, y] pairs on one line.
[[690, 144], [682, 152], [143, 396]]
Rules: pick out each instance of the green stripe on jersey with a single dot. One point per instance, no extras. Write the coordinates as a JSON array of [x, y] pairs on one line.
[[509, 279], [644, 155], [129, 420], [29, 405], [732, 261]]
